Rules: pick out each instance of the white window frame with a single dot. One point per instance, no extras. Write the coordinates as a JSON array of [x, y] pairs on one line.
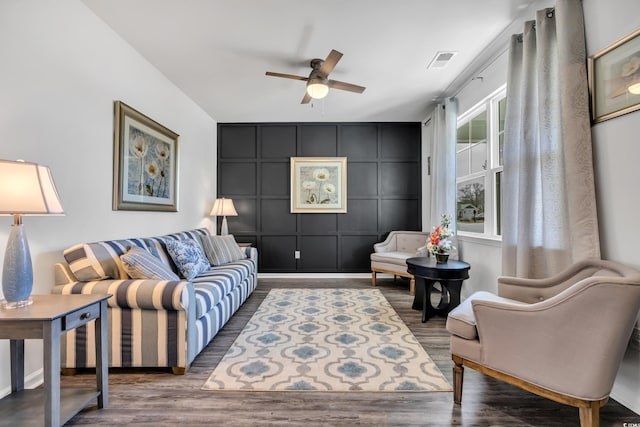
[[490, 105]]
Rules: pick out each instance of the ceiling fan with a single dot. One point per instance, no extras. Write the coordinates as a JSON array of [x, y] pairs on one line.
[[318, 82]]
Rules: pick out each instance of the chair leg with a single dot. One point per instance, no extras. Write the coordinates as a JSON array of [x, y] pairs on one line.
[[373, 279], [412, 286], [590, 416], [458, 376]]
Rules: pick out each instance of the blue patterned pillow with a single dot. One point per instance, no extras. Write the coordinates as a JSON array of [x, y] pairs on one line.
[[188, 256], [142, 264]]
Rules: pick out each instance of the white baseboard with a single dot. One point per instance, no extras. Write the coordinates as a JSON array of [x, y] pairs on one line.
[[32, 380], [315, 275]]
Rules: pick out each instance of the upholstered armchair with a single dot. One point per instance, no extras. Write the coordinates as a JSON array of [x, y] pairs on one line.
[[562, 337], [390, 256]]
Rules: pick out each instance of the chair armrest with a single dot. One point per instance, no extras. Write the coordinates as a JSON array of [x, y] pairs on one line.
[[388, 245], [402, 241], [536, 290], [136, 294]]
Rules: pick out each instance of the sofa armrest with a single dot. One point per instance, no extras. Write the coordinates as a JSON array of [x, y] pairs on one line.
[[250, 252], [136, 294]]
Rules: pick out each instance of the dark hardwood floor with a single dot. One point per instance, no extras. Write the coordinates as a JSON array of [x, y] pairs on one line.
[[158, 398]]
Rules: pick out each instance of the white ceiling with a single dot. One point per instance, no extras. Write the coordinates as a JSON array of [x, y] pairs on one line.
[[217, 51]]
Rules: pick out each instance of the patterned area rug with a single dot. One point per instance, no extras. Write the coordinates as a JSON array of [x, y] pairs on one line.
[[326, 340]]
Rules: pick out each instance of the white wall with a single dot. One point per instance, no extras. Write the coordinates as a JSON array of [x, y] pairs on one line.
[[62, 69], [616, 154]]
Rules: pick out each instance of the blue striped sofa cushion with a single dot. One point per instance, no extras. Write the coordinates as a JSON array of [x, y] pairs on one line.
[[142, 264], [191, 234], [158, 248], [100, 260], [212, 286]]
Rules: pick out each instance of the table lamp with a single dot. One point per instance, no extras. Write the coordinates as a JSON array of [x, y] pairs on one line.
[[224, 208], [25, 189]]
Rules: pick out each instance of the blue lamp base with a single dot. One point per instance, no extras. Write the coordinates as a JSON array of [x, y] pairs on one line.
[[17, 273]]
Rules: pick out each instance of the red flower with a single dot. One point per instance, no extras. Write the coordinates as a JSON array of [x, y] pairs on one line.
[[435, 236]]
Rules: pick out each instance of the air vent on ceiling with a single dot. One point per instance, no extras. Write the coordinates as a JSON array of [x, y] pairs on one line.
[[441, 59]]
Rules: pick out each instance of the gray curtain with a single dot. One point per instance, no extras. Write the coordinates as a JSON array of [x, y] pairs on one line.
[[443, 161], [549, 206]]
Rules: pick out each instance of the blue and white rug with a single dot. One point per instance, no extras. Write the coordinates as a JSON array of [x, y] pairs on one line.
[[326, 340]]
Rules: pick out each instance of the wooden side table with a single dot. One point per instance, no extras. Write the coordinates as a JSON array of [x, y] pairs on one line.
[[48, 318], [427, 272]]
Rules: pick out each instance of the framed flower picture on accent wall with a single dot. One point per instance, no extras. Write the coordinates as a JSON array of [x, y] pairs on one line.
[[145, 163], [318, 184], [614, 79]]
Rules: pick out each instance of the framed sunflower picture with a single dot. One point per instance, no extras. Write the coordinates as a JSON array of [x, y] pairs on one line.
[[145, 163], [318, 184]]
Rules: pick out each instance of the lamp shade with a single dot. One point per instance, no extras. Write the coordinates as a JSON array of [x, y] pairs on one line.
[[223, 207], [27, 189]]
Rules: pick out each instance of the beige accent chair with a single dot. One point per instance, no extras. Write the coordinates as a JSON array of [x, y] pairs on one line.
[[562, 337], [391, 255]]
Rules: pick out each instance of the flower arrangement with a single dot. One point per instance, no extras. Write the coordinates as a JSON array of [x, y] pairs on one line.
[[320, 176], [439, 242]]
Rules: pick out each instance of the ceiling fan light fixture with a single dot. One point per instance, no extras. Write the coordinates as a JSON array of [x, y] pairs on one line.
[[317, 88]]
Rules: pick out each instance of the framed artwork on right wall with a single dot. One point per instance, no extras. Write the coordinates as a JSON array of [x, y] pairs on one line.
[[614, 79]]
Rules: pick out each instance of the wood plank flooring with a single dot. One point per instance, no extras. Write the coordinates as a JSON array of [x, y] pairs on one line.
[[158, 398]]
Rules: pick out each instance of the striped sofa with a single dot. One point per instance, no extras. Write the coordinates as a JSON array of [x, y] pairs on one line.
[[152, 323]]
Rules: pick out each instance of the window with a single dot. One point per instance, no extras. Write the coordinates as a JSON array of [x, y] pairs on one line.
[[479, 167]]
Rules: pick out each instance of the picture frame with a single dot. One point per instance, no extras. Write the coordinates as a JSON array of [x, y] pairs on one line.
[[145, 163], [614, 79], [318, 184]]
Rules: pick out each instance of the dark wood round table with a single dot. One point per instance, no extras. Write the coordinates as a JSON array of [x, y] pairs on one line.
[[427, 273]]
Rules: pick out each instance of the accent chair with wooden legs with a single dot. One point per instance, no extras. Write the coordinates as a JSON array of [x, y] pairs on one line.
[[562, 337], [391, 255]]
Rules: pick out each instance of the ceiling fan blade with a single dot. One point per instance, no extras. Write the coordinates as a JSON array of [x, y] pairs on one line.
[[286, 76], [329, 63], [335, 84], [306, 98]]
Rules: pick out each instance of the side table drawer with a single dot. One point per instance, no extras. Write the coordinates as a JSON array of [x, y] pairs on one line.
[[80, 317]]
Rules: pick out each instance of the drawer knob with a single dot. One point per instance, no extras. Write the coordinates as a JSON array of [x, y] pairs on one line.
[[85, 316]]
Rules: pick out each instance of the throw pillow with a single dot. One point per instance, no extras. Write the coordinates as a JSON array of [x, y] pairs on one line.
[[84, 263], [141, 264], [188, 256], [221, 250]]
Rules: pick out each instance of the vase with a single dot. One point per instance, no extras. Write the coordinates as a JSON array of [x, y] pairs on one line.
[[442, 258]]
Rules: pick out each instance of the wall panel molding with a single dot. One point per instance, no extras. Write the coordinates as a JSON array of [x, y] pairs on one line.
[[383, 167]]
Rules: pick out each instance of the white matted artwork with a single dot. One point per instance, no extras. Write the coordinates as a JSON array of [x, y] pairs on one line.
[[614, 79], [318, 184], [145, 163]]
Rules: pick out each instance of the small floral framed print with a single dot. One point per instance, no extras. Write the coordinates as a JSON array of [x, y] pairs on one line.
[[614, 79], [145, 163], [318, 184]]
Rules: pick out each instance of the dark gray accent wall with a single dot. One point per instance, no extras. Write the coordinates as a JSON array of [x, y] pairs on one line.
[[383, 190]]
